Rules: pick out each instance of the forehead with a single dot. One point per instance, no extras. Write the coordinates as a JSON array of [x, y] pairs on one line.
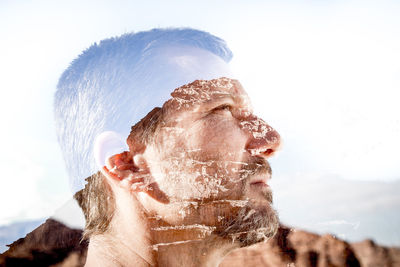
[[202, 92]]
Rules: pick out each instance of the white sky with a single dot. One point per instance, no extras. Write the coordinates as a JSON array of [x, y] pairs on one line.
[[325, 74]]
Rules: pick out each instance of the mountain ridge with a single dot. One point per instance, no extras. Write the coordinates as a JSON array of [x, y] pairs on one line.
[[55, 244]]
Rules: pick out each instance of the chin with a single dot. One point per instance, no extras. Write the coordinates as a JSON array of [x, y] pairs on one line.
[[254, 222]]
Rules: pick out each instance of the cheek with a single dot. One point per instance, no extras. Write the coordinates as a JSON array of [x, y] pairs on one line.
[[217, 138], [202, 161]]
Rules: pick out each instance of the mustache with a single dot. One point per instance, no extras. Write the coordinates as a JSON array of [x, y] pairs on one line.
[[256, 166]]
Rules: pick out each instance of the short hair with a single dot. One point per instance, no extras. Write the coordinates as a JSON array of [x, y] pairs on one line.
[[105, 89], [97, 200]]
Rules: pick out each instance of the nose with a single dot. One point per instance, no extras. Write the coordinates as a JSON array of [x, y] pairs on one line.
[[263, 140]]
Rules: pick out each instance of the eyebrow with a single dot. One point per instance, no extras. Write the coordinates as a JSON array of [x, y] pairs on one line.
[[221, 97]]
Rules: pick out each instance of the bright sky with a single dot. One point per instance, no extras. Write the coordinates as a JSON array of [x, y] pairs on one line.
[[325, 74]]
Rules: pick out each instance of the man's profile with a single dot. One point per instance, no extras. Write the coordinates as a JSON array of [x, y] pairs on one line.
[[191, 185]]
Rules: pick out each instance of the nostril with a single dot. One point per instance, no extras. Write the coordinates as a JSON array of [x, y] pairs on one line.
[[268, 152], [264, 147]]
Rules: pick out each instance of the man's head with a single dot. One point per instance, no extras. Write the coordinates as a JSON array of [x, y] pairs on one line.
[[201, 158], [207, 149], [115, 83]]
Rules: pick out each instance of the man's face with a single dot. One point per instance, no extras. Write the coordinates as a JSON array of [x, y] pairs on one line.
[[210, 148], [210, 145]]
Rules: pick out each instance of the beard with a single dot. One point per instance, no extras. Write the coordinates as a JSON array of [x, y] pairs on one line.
[[238, 212], [250, 225], [255, 221]]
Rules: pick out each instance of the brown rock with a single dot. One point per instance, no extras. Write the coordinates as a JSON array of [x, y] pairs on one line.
[[50, 243], [372, 255], [295, 248], [54, 244]]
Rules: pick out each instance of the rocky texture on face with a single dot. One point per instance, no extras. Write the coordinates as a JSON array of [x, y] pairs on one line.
[[54, 244]]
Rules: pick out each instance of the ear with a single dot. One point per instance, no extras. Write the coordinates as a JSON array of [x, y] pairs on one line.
[[126, 170], [106, 144], [121, 171], [132, 174]]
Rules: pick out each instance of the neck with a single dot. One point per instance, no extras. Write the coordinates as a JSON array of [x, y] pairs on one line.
[[126, 242], [134, 239], [170, 246], [189, 245]]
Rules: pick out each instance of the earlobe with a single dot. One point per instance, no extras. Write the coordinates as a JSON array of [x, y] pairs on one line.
[[124, 169], [121, 169], [133, 174], [117, 167]]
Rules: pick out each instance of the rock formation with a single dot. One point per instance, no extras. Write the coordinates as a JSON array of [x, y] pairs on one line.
[[54, 244]]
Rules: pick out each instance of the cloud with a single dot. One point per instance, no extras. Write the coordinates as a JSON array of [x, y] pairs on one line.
[[32, 185], [355, 225], [19, 187], [329, 204], [70, 214]]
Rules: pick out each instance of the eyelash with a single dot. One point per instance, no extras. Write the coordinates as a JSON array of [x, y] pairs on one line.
[[223, 107]]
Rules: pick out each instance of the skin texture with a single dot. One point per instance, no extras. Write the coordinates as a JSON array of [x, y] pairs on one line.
[[200, 189]]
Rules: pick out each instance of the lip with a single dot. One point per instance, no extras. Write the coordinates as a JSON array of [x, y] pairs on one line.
[[259, 185], [260, 181]]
